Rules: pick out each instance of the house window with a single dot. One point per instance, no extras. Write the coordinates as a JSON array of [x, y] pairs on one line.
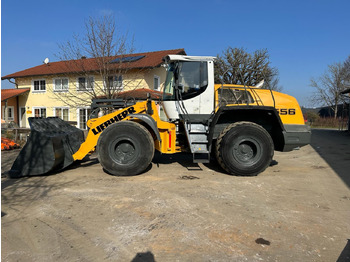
[[156, 82], [39, 111], [115, 82], [62, 112], [61, 84], [83, 117], [10, 113], [39, 85], [85, 83]]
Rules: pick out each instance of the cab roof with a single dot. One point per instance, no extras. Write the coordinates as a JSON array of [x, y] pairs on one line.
[[170, 58]]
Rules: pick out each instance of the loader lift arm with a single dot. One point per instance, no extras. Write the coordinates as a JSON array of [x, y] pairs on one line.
[[98, 125]]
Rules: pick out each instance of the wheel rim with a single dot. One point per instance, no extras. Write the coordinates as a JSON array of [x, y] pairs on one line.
[[123, 151], [246, 151]]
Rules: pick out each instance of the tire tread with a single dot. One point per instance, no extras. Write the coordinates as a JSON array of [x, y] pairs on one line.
[[219, 145]]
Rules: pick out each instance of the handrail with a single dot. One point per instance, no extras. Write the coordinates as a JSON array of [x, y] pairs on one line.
[[243, 83]]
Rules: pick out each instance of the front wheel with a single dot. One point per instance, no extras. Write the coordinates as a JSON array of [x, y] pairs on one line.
[[244, 148], [125, 148]]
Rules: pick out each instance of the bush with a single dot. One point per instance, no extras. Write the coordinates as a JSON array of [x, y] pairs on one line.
[[8, 134], [311, 117], [329, 122]]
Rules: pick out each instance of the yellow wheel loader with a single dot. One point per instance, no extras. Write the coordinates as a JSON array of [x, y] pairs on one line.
[[240, 125]]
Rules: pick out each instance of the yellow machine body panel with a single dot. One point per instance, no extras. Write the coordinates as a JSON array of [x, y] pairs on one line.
[[167, 132], [286, 105]]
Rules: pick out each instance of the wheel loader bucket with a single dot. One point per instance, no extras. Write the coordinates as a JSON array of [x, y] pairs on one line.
[[49, 147]]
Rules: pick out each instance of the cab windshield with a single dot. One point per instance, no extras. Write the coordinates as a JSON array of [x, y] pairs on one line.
[[190, 78]]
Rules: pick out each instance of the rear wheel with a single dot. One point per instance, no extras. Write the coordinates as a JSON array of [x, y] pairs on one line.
[[125, 148], [244, 148]]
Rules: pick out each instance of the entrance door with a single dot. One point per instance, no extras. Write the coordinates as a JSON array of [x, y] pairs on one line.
[[23, 117]]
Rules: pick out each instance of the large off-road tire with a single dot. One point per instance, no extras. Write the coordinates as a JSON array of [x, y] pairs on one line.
[[244, 148], [125, 148]]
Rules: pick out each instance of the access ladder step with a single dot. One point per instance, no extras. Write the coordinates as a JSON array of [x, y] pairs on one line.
[[196, 128], [201, 157], [199, 138], [199, 142]]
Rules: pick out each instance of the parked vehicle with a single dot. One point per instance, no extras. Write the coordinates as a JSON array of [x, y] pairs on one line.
[[239, 125]]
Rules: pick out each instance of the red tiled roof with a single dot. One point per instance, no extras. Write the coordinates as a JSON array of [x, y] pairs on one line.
[[9, 93], [149, 60], [138, 94]]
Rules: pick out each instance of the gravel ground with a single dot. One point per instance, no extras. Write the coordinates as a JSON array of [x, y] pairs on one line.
[[297, 210]]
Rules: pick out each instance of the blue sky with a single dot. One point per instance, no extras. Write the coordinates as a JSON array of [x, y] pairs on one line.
[[302, 37]]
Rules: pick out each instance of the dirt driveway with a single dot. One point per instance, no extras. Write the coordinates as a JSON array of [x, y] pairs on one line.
[[297, 210]]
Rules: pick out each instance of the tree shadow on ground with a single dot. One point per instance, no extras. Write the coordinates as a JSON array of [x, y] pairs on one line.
[[334, 147], [7, 159], [185, 160], [18, 194], [10, 156], [15, 191]]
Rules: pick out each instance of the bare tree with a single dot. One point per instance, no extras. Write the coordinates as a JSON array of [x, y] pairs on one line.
[[330, 85], [98, 57], [237, 66], [346, 72]]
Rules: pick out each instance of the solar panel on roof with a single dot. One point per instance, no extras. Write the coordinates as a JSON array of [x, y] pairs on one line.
[[127, 59]]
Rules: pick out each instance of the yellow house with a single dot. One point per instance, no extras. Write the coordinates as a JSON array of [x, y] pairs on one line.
[[65, 88]]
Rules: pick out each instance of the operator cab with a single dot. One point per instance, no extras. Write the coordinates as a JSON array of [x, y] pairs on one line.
[[189, 86]]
